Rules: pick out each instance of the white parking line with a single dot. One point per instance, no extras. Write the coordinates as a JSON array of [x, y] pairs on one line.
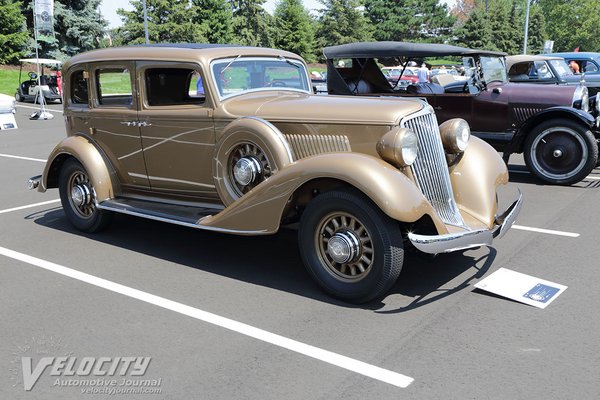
[[37, 108], [43, 203], [548, 231], [329, 357], [22, 158]]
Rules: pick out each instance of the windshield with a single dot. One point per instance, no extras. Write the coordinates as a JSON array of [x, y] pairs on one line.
[[493, 69], [237, 75], [561, 67]]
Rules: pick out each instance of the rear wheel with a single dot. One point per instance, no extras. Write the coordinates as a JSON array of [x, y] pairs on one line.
[[77, 198], [561, 152], [349, 246], [18, 97]]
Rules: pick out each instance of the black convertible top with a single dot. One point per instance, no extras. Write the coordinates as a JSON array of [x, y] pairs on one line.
[[400, 49]]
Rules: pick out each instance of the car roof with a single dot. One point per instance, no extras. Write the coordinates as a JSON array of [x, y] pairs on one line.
[[193, 52], [575, 54], [512, 60], [406, 49]]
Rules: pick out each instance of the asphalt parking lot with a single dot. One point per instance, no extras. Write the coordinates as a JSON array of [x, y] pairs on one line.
[[226, 317]]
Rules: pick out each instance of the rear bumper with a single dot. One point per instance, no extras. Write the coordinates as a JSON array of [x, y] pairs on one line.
[[434, 244]]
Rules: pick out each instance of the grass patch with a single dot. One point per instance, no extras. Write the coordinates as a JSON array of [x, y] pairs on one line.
[[9, 81]]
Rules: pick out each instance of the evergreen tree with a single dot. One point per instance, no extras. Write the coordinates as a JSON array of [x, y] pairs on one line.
[[476, 33], [215, 20], [294, 29], [537, 31], [169, 21], [252, 26], [78, 25], [341, 22], [13, 34], [410, 20]]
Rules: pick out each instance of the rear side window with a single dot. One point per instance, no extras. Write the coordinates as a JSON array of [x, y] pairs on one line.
[[174, 86], [79, 88], [114, 87], [589, 66]]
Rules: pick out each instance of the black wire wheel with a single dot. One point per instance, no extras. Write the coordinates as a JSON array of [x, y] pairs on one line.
[[349, 246], [78, 198], [561, 152], [248, 166]]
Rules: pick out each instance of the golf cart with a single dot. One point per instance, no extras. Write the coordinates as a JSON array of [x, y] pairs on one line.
[[28, 90]]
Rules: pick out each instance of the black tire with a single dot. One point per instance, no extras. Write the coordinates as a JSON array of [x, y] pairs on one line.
[[18, 97], [381, 237], [82, 214], [560, 151]]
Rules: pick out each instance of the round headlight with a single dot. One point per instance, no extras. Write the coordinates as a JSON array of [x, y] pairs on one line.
[[399, 147], [597, 103], [585, 102], [581, 98], [455, 135]]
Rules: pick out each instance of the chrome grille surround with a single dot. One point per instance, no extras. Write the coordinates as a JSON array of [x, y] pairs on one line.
[[430, 169], [311, 145]]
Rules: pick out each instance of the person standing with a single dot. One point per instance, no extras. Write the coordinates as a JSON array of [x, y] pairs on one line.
[[423, 73]]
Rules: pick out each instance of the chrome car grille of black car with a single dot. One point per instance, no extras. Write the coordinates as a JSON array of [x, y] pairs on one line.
[[430, 169]]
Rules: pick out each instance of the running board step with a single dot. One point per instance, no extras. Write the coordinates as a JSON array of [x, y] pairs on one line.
[[174, 214]]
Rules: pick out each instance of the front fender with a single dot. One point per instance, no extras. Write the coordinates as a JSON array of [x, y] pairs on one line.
[[261, 209], [475, 179], [549, 113], [103, 180]]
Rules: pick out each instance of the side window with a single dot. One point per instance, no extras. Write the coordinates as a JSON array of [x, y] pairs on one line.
[[589, 66], [174, 86], [114, 87], [79, 88]]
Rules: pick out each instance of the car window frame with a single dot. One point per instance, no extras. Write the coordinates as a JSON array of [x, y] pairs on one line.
[[69, 86], [128, 65], [143, 66]]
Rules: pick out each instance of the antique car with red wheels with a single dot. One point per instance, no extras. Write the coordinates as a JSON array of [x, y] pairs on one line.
[[551, 125], [231, 139]]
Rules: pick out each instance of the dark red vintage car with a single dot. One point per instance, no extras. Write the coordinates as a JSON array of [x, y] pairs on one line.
[[549, 124]]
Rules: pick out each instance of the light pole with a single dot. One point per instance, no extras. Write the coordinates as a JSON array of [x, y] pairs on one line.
[[526, 28], [146, 23]]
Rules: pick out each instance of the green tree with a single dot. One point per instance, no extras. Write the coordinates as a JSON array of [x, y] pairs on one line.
[[476, 32], [294, 29], [78, 25], [13, 33], [252, 26], [215, 20], [572, 24], [410, 20], [341, 22], [169, 21], [537, 31]]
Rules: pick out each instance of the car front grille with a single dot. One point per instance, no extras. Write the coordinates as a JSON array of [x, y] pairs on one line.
[[430, 169]]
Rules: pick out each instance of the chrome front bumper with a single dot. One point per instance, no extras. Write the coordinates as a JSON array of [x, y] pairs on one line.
[[434, 244]]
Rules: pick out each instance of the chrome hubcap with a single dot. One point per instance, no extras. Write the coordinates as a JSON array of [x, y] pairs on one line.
[[344, 247], [81, 198], [248, 166], [557, 153], [246, 170]]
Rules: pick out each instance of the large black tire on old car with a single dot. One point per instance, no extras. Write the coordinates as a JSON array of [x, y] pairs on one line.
[[349, 246], [561, 151], [77, 198]]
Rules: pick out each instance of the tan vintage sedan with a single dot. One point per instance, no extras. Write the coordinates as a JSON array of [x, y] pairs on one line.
[[231, 139]]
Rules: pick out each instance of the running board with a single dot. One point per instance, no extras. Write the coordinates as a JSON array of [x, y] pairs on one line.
[[174, 214], [191, 217]]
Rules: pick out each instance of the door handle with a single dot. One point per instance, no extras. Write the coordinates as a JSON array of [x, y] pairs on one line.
[[143, 124], [129, 123]]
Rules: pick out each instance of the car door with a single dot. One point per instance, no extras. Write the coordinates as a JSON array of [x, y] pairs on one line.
[[114, 120], [177, 128]]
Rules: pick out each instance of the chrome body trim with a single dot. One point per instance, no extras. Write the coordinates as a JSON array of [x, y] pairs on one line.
[[34, 182], [434, 244], [430, 168]]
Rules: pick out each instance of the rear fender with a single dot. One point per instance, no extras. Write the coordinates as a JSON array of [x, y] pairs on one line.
[[261, 209], [103, 178]]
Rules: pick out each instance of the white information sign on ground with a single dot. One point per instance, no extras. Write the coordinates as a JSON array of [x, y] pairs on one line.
[[7, 121], [522, 288]]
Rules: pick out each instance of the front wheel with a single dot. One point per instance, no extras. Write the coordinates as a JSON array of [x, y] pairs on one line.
[[77, 198], [561, 152], [349, 246]]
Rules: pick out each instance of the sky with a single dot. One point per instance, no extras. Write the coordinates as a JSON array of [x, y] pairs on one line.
[[108, 8]]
